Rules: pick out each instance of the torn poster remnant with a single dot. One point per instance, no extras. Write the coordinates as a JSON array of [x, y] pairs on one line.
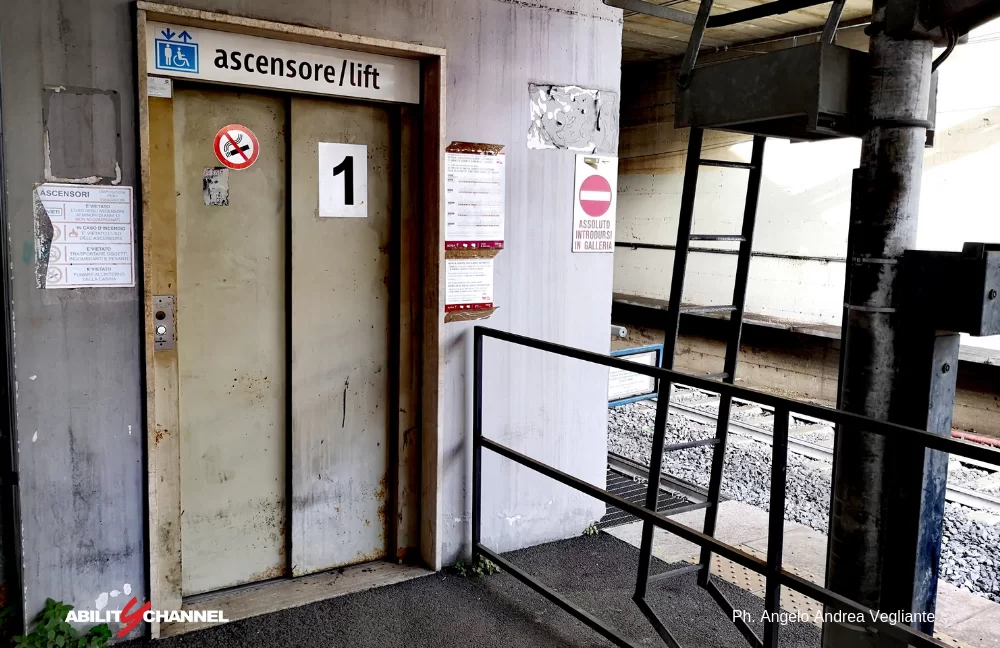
[[215, 186], [578, 119]]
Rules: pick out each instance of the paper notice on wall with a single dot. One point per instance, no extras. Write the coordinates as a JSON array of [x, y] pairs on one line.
[[475, 189], [595, 198], [624, 384], [159, 87], [83, 236], [469, 284]]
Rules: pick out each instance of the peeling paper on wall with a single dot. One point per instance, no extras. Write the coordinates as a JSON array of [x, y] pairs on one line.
[[215, 187], [573, 118], [43, 239]]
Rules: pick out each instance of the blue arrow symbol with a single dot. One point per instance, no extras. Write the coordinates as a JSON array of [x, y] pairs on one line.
[[168, 34], [185, 36]]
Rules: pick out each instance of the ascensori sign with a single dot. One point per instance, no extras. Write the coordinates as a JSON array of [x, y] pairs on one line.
[[208, 55]]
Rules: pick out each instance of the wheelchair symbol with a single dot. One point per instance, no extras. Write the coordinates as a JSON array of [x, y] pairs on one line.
[[176, 56], [179, 59]]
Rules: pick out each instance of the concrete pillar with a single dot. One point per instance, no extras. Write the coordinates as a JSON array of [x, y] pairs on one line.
[[883, 225]]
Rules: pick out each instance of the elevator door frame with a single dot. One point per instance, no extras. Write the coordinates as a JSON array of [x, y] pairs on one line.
[[417, 313]]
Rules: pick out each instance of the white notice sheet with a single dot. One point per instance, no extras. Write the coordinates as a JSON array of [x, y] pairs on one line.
[[84, 236], [475, 185], [469, 284]]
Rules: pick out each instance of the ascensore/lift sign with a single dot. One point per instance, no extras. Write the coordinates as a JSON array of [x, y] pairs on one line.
[[237, 59]]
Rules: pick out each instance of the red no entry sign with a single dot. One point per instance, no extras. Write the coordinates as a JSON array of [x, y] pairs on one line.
[[595, 196], [236, 146]]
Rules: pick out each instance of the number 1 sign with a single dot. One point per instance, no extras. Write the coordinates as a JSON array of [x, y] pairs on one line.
[[343, 180]]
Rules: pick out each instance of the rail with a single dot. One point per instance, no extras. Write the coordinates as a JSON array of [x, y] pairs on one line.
[[771, 568], [953, 493]]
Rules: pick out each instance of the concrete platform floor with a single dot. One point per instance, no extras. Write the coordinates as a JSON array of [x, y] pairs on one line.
[[963, 619], [440, 610]]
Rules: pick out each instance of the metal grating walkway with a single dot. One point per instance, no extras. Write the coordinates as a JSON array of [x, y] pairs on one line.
[[634, 491]]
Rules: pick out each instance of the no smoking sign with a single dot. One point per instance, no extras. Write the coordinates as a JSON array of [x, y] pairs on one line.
[[236, 146], [594, 203]]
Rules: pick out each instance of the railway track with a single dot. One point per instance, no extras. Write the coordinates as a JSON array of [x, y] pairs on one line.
[[958, 494]]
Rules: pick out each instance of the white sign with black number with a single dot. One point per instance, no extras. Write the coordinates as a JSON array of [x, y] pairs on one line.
[[343, 180]]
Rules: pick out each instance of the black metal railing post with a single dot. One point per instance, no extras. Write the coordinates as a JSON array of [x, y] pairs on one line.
[[653, 487], [477, 437], [776, 526]]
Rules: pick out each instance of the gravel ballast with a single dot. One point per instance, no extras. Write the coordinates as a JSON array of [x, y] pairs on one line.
[[970, 555]]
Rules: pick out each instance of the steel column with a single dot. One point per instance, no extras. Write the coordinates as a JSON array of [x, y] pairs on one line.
[[833, 22], [917, 478], [883, 225], [694, 45]]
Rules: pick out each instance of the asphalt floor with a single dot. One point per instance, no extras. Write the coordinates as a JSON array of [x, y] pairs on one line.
[[596, 572]]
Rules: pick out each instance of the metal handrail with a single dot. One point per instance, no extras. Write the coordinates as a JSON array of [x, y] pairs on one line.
[[841, 417], [776, 577]]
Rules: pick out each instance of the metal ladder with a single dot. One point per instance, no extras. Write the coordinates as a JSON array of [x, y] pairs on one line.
[[700, 22], [675, 308]]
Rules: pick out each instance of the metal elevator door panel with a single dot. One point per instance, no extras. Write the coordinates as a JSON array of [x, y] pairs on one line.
[[230, 313], [340, 344]]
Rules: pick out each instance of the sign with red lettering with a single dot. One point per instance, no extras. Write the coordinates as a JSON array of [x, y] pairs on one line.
[[594, 201], [236, 146], [475, 193], [468, 284]]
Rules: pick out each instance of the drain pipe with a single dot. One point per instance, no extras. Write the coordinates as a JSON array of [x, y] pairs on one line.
[[975, 438]]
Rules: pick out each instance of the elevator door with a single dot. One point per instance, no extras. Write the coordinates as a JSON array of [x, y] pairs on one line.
[[340, 343], [230, 324]]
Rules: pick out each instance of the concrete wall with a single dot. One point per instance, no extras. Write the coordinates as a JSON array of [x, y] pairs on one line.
[[805, 193], [77, 352], [79, 367]]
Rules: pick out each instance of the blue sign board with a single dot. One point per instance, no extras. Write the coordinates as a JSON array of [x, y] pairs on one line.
[[656, 350], [175, 52]]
